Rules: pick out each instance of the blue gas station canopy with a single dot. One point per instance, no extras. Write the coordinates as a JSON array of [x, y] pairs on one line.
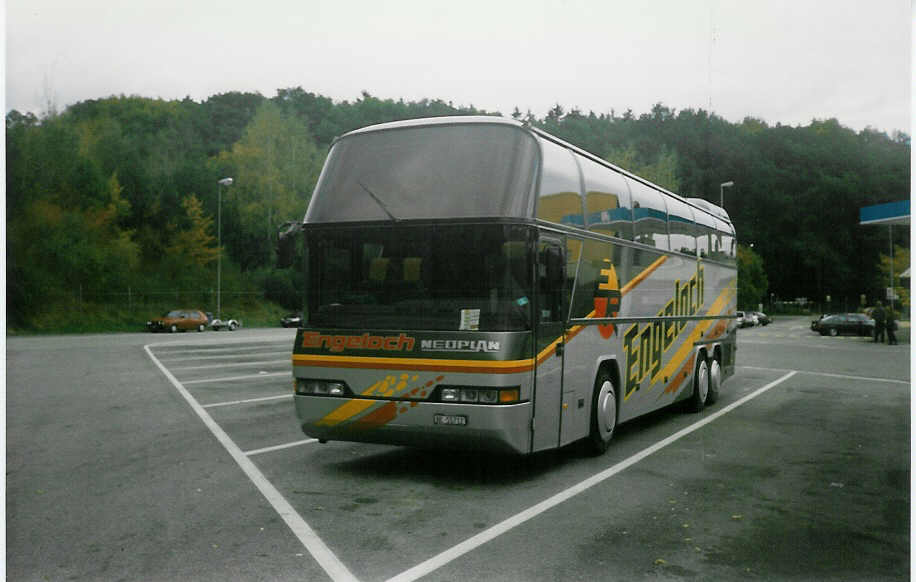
[[890, 213]]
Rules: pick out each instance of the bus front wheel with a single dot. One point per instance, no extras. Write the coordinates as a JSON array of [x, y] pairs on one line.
[[604, 413]]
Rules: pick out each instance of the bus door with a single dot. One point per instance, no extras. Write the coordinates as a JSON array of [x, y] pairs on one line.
[[551, 306]]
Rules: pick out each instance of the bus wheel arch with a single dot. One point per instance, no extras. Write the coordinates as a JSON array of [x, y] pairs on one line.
[[605, 409]]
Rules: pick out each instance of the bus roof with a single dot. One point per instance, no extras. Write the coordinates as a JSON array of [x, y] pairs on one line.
[[425, 121], [698, 203]]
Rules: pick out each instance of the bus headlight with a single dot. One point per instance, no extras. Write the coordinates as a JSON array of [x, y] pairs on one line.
[[488, 396], [449, 395], [478, 395], [320, 387], [469, 394]]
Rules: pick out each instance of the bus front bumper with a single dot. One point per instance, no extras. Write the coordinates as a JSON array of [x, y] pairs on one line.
[[493, 428]]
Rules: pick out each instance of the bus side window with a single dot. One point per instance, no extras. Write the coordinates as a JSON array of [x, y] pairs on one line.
[[559, 199], [573, 252], [705, 233], [728, 243], [551, 275], [596, 256], [607, 201], [682, 227], [650, 216]]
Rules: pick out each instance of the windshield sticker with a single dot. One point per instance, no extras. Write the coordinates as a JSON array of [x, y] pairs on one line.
[[470, 320]]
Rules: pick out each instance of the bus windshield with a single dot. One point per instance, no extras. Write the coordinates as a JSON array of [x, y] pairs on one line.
[[439, 171], [444, 278]]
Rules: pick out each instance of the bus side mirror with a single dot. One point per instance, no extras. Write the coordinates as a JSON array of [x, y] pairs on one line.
[[286, 243]]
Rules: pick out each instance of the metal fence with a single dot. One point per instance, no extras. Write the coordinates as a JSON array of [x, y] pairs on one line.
[[137, 300]]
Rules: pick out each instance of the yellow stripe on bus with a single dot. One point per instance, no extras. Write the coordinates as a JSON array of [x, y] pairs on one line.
[[574, 330], [687, 345], [426, 364]]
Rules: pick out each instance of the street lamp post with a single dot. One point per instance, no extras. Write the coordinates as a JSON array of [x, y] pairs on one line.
[[219, 243], [722, 188]]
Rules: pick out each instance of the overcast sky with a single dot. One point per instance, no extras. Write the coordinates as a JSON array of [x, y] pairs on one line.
[[786, 61]]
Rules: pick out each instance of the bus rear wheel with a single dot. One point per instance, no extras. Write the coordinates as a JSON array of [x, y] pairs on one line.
[[700, 385], [715, 381], [604, 413]]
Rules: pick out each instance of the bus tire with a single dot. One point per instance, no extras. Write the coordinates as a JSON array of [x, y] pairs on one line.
[[715, 381], [173, 329], [604, 413], [700, 384]]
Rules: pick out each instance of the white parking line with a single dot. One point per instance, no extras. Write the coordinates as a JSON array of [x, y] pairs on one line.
[[248, 401], [518, 519], [307, 536], [235, 354], [849, 347], [829, 375], [235, 365], [279, 447], [206, 340], [233, 378]]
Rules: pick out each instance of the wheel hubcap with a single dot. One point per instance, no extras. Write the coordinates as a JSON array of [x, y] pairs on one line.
[[715, 376], [607, 409], [703, 381]]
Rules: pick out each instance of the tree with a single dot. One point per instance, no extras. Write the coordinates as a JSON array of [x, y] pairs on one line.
[[275, 166], [194, 245], [752, 278], [900, 264], [92, 190], [662, 170]]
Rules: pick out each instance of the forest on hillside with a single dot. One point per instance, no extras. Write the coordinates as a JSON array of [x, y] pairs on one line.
[[113, 204]]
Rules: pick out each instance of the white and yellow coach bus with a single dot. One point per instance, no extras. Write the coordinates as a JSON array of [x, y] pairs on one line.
[[474, 282]]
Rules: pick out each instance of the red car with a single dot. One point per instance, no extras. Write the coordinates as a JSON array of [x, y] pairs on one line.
[[179, 320]]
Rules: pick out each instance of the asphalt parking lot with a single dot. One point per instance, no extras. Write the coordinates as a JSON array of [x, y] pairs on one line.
[[147, 457]]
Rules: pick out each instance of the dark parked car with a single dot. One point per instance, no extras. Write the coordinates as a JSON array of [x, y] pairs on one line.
[[817, 321], [840, 323], [179, 320], [292, 320]]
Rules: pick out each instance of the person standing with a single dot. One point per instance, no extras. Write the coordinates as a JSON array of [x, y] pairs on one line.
[[891, 325], [878, 315]]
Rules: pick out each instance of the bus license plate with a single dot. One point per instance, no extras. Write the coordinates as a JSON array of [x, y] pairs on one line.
[[451, 419]]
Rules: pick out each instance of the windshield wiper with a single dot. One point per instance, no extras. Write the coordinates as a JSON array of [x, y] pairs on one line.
[[377, 201]]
